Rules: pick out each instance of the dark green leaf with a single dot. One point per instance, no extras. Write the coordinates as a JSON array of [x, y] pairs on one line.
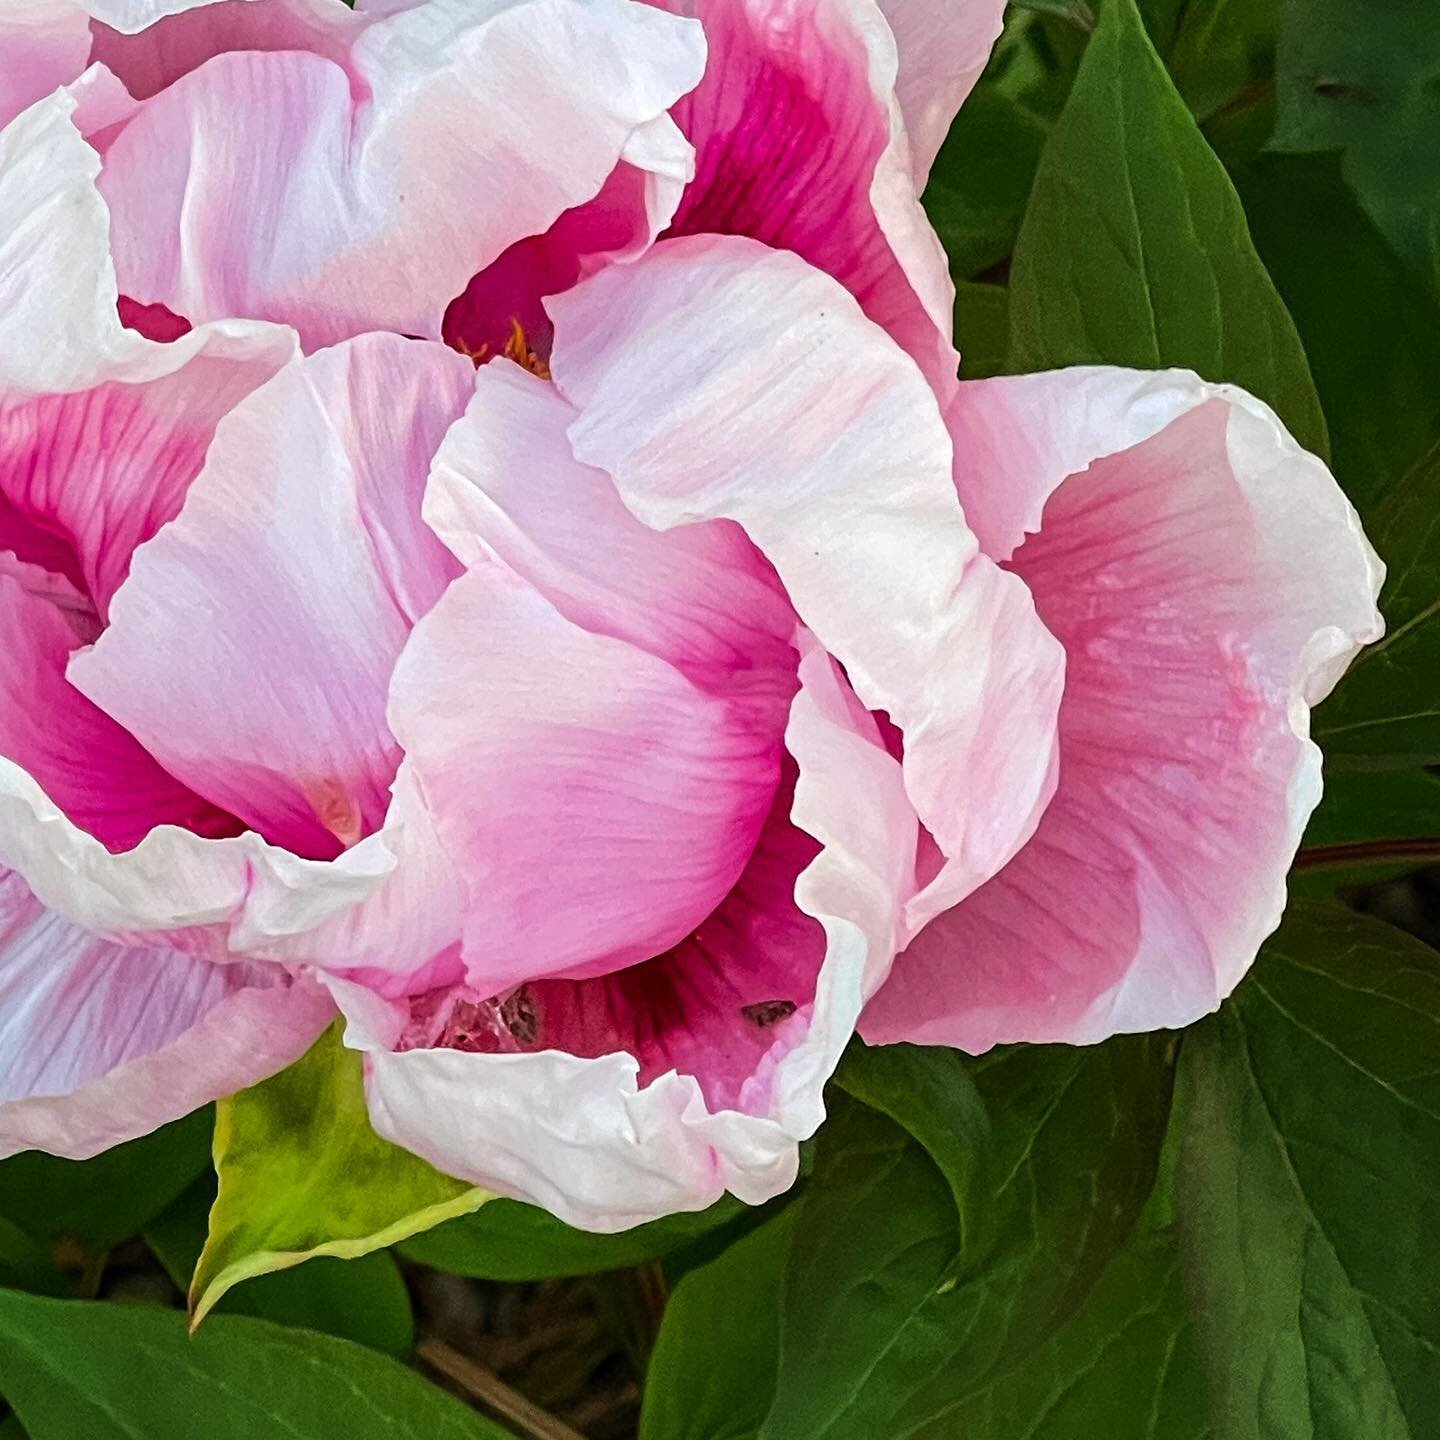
[[364, 1300], [97, 1203], [506, 1240], [1221, 49], [1134, 249], [1077, 12], [1386, 712], [1307, 1199], [1372, 337], [895, 1312], [303, 1174], [73, 1368], [712, 1375], [981, 179], [1363, 78], [27, 1264], [982, 329], [1124, 1366], [1392, 805]]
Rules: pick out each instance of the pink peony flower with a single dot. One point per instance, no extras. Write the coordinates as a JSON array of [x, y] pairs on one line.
[[495, 543]]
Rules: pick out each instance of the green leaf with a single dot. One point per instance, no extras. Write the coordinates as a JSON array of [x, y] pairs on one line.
[[981, 179], [896, 1309], [1221, 49], [1134, 248], [982, 329], [1077, 12], [364, 1300], [26, 1264], [507, 1240], [1373, 338], [303, 1174], [1385, 714], [91, 1205], [712, 1375], [1124, 1366], [1306, 1198], [73, 1368], [1363, 79], [1392, 805]]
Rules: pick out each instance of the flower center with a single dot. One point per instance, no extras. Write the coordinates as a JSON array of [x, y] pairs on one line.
[[517, 348]]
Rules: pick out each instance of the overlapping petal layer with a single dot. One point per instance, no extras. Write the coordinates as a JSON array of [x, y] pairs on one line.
[[1209, 582], [104, 1039], [344, 203]]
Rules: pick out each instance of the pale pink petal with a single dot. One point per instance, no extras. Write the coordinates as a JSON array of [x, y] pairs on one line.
[[597, 803], [634, 205], [101, 470], [367, 198], [105, 1040], [44, 44], [1209, 583], [252, 646], [150, 44], [610, 1141], [504, 484], [799, 144], [60, 327], [90, 767], [943, 47], [799, 419]]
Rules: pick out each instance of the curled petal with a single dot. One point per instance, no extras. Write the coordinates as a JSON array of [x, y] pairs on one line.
[[1210, 583], [616, 1137], [799, 420], [943, 48], [799, 144], [340, 170], [597, 802], [303, 536], [107, 1039]]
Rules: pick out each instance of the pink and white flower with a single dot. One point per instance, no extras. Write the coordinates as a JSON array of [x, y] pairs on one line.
[[594, 730]]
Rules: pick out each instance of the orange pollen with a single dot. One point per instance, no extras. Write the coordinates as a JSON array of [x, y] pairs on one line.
[[517, 348]]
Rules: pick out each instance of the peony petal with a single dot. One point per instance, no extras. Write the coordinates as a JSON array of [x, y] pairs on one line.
[[101, 470], [505, 486], [1210, 583], [90, 767], [44, 44], [798, 144], [801, 421], [60, 327], [943, 48], [596, 802], [105, 1040], [422, 150], [634, 205], [150, 44], [584, 1137], [294, 571]]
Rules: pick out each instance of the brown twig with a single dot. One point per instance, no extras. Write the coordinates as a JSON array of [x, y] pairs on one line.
[[1369, 852], [492, 1392]]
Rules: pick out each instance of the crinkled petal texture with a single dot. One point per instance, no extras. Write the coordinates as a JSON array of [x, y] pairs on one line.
[[105, 1039], [686, 852], [101, 435], [799, 144], [344, 203], [1210, 583]]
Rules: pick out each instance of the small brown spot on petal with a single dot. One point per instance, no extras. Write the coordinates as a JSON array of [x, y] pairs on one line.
[[765, 1013]]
